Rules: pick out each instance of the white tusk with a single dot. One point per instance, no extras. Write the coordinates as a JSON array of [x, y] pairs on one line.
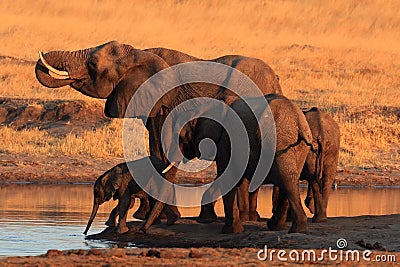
[[170, 166], [55, 73]]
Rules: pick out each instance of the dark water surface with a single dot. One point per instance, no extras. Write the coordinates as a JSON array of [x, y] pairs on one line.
[[36, 218]]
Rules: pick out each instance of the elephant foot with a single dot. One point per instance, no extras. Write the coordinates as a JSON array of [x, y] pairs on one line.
[[299, 228], [274, 225], [319, 219], [121, 229], [244, 215], [172, 219], [254, 216], [110, 223], [233, 229], [207, 216]]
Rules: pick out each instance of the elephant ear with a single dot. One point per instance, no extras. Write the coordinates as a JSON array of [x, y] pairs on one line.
[[137, 96], [112, 182], [203, 108]]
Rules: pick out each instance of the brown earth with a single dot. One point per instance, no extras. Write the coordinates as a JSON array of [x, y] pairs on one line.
[[178, 257], [58, 117]]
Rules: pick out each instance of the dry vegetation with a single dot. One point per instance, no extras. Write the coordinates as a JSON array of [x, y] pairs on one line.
[[342, 56]]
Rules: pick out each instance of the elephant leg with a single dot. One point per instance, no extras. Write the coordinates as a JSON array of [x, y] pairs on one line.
[[281, 206], [207, 213], [275, 201], [144, 208], [112, 219], [124, 204], [172, 214], [232, 219], [309, 201], [243, 200], [319, 205], [299, 224], [157, 220], [327, 180], [275, 198], [253, 214]]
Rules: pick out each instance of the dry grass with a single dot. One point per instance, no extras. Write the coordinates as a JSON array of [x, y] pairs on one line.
[[346, 61], [101, 143]]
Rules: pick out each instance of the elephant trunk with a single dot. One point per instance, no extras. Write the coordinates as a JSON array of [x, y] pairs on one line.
[[155, 212], [167, 193], [92, 216], [51, 64]]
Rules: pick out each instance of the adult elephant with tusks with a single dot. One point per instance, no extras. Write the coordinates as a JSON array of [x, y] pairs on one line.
[[115, 71], [269, 123]]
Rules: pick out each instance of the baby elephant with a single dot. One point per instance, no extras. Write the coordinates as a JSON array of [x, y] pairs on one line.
[[118, 183]]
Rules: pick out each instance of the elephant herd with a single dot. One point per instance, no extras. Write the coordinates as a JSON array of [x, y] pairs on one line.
[[305, 144]]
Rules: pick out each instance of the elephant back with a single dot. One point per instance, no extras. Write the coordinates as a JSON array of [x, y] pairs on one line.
[[290, 122]]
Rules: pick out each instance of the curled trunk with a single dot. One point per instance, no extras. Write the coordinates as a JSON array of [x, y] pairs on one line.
[[57, 60], [65, 61]]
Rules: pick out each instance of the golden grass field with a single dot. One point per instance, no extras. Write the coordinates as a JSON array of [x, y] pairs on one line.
[[342, 56]]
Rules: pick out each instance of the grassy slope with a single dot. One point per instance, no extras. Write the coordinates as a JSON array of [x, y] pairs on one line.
[[342, 56]]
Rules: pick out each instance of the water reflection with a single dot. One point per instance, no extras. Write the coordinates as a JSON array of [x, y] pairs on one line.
[[35, 218]]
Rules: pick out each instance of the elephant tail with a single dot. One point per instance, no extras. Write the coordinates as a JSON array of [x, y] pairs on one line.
[[300, 138], [319, 165], [308, 141]]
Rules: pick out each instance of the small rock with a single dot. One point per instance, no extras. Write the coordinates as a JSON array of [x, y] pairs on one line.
[[369, 246], [195, 253], [167, 254], [153, 253], [361, 243], [54, 253], [118, 252], [96, 252], [81, 252], [378, 246]]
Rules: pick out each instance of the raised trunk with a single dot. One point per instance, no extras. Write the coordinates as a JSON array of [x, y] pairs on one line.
[[92, 216]]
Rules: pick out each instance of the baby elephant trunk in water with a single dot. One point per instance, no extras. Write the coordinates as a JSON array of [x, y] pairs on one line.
[[94, 212]]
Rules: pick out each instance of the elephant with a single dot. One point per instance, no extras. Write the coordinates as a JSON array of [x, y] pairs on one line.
[[118, 183], [115, 71], [293, 142], [319, 169]]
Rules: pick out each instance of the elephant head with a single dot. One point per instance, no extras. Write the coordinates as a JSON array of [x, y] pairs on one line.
[[104, 189], [111, 71]]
